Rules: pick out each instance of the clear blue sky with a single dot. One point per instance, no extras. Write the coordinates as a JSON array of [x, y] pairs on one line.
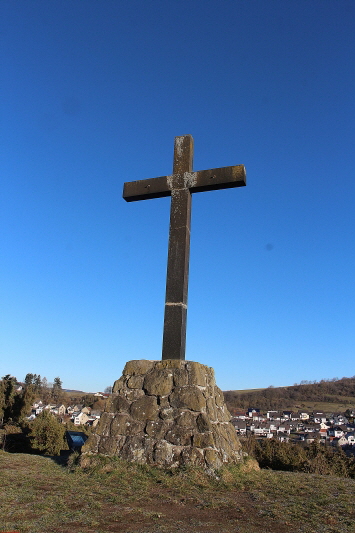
[[92, 95]]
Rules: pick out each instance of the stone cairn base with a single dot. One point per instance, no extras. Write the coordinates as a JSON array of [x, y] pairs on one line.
[[167, 413]]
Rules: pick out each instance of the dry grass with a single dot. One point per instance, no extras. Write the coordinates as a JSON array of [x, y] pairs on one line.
[[40, 496], [328, 407]]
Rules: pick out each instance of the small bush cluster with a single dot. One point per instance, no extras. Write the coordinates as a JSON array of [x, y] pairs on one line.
[[315, 458]]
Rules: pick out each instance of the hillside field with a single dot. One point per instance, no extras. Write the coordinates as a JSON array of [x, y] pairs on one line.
[[330, 396]]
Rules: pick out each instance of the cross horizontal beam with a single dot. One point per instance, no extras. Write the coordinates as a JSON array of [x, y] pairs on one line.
[[199, 181]]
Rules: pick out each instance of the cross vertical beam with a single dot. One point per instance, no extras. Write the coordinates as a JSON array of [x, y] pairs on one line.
[[174, 336], [180, 186]]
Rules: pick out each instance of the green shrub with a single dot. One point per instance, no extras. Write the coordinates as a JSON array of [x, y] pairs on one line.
[[47, 434], [316, 458]]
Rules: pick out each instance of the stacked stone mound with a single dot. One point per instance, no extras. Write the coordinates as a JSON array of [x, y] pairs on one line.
[[167, 413]]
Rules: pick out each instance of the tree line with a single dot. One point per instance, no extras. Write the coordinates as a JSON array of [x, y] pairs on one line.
[[16, 404], [45, 434], [333, 390]]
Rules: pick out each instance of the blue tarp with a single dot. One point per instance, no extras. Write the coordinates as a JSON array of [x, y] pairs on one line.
[[76, 439]]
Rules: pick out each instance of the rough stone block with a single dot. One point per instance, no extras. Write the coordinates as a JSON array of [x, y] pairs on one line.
[[211, 408], [186, 419], [170, 363], [146, 408], [203, 440], [219, 398], [118, 384], [91, 445], [108, 446], [181, 377], [165, 454], [197, 374], [117, 403], [156, 429], [188, 397], [210, 376], [119, 424], [135, 382], [134, 449], [123, 424], [167, 413], [223, 415], [105, 424], [159, 383], [132, 394], [213, 459], [179, 436], [193, 456], [139, 366], [203, 423], [163, 402]]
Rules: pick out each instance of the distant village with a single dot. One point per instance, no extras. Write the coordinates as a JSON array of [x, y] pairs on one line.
[[304, 427], [78, 414], [337, 429]]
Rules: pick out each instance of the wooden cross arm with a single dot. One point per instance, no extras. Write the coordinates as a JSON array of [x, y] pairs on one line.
[[216, 178], [199, 181], [146, 189]]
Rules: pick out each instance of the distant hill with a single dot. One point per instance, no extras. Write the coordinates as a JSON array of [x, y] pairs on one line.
[[329, 396]]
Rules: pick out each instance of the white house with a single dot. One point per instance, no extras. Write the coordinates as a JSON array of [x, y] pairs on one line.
[[351, 438], [336, 432], [303, 415], [80, 418]]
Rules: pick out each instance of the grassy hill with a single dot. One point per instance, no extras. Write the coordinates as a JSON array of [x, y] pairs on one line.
[[38, 495], [329, 396]]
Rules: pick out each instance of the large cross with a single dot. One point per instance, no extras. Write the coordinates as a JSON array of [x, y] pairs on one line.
[[179, 186]]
